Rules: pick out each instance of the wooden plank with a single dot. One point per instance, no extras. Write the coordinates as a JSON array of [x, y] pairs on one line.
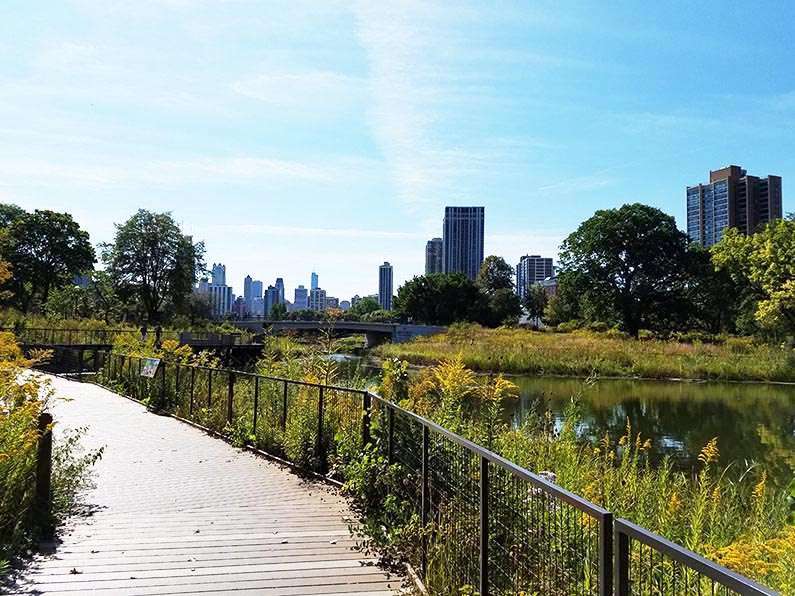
[[178, 512]]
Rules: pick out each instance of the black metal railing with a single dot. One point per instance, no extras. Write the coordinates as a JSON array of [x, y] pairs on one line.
[[485, 524], [41, 336]]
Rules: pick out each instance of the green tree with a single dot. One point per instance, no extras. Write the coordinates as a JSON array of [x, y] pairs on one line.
[[9, 213], [365, 306], [278, 312], [535, 301], [441, 299], [504, 308], [764, 264], [152, 261], [627, 265], [45, 249], [495, 274]]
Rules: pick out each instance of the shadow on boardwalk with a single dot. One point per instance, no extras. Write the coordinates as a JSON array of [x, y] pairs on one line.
[[174, 511]]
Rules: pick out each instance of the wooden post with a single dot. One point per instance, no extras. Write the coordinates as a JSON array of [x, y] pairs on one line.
[[366, 405], [621, 568]]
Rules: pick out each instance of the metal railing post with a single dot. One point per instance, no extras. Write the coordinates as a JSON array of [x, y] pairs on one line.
[[366, 405], [256, 406], [80, 365], [192, 388], [163, 386], [284, 407], [44, 472], [484, 526], [390, 437], [319, 444], [209, 388], [426, 439], [606, 554], [621, 566], [230, 398]]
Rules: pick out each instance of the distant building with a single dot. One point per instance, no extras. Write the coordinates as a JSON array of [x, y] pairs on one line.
[[385, 286], [317, 299], [280, 288], [433, 256], [218, 274], [732, 199], [300, 296], [81, 281], [271, 300], [332, 302], [355, 300], [550, 286], [462, 242], [220, 297], [239, 307], [248, 297], [314, 285], [345, 305], [530, 270]]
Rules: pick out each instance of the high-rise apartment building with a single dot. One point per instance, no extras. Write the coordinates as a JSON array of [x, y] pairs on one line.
[[317, 299], [385, 286], [462, 242], [271, 300], [218, 274], [300, 296], [433, 256], [332, 302], [248, 298], [314, 285], [530, 270], [732, 199]]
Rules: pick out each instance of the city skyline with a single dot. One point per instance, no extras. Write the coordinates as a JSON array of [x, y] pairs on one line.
[[272, 151]]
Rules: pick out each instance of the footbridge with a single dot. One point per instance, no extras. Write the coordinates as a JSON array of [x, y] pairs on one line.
[[375, 333]]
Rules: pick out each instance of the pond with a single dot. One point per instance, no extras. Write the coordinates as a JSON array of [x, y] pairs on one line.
[[753, 422]]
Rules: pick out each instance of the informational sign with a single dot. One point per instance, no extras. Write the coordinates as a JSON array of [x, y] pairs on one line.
[[149, 367]]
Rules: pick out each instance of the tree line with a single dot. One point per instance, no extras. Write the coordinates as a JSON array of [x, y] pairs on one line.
[[630, 268], [148, 273]]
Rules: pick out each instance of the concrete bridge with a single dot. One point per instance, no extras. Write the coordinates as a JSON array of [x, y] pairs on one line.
[[375, 333]]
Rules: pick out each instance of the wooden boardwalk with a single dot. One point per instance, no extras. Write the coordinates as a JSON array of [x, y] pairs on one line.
[[179, 512]]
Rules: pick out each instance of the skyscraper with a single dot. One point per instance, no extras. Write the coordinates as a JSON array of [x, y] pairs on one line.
[[385, 286], [280, 288], [462, 245], [300, 298], [317, 299], [248, 297], [732, 199], [219, 274], [530, 270], [314, 285], [271, 300], [433, 256]]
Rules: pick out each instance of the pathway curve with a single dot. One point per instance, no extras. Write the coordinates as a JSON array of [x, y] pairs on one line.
[[180, 512]]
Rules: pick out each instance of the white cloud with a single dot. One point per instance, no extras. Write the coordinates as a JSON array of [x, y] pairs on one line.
[[320, 89]]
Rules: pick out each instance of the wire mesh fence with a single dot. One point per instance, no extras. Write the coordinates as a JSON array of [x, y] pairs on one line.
[[487, 525]]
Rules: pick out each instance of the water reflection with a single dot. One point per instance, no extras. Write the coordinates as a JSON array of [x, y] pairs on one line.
[[753, 422]]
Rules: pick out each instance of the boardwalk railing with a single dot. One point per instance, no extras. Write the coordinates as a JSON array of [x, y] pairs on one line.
[[47, 336], [484, 525]]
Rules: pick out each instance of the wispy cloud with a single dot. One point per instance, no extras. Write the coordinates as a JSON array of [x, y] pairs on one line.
[[313, 232], [295, 90]]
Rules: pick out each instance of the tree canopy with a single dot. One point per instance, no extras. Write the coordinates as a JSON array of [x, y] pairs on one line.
[[627, 266], [764, 264], [495, 274], [441, 299], [153, 261], [44, 249]]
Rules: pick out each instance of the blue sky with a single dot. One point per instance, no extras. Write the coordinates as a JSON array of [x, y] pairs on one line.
[[300, 135]]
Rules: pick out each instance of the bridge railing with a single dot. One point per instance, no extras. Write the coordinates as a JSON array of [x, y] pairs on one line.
[[68, 337], [480, 523]]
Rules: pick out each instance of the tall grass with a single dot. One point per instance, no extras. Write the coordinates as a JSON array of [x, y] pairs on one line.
[[23, 397], [581, 353]]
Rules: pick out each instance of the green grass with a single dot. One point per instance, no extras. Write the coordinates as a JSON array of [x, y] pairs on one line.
[[581, 353]]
